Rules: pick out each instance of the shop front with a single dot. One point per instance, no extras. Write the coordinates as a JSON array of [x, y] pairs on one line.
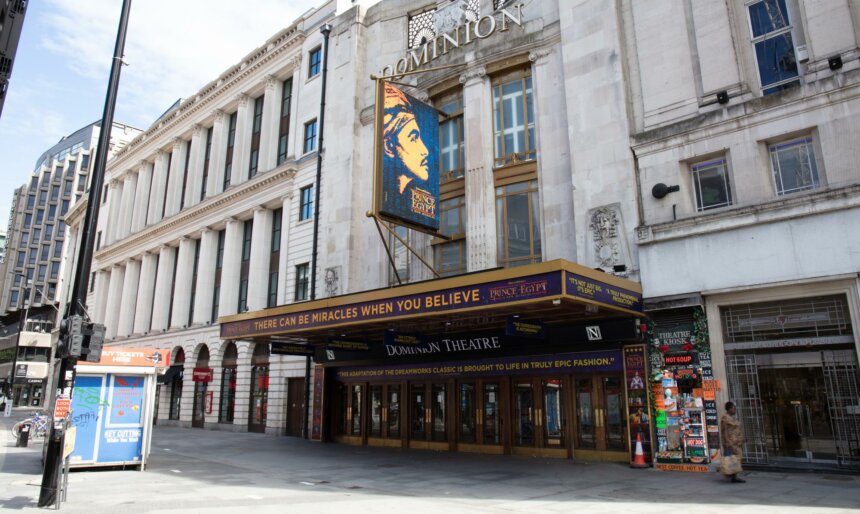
[[542, 360]]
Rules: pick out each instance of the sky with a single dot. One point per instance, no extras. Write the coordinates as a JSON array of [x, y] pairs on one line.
[[173, 48]]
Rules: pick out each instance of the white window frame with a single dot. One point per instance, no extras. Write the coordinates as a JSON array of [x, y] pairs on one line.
[[812, 159], [789, 28], [695, 168]]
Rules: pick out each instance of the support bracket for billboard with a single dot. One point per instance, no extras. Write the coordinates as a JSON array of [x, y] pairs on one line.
[[403, 242]]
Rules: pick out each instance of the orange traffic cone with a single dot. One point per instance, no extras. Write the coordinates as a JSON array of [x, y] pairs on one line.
[[639, 455]]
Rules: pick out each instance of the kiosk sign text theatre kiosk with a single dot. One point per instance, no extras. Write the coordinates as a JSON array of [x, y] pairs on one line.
[[535, 360]]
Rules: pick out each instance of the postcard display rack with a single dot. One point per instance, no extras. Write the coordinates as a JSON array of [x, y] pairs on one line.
[[638, 406], [686, 423]]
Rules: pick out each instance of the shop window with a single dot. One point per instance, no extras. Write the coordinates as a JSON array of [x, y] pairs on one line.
[[451, 255], [771, 36], [176, 387], [259, 403], [711, 183], [451, 139], [794, 167], [513, 119], [518, 224], [227, 407]]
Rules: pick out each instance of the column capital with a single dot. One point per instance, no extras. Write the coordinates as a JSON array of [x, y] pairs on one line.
[[231, 219], [196, 130], [218, 114], [289, 196], [473, 74], [540, 54], [160, 154], [129, 173], [113, 183], [271, 82], [260, 208], [206, 230], [243, 99], [129, 261], [142, 163], [296, 61], [176, 142]]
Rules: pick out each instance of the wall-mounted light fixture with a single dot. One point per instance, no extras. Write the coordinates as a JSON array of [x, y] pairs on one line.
[[660, 190], [723, 97], [835, 62]]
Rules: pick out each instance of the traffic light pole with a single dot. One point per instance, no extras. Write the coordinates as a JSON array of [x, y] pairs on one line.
[[54, 456]]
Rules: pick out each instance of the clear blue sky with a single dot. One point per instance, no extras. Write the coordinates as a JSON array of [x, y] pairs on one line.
[[60, 74]]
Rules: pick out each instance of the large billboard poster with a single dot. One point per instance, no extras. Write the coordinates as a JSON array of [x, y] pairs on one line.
[[408, 160]]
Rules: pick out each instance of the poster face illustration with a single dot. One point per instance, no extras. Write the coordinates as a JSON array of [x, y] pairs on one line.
[[409, 175]]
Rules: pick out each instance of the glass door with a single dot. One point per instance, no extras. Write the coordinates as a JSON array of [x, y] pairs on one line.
[[601, 424], [383, 415], [524, 434], [540, 415], [198, 410], [428, 412], [478, 413]]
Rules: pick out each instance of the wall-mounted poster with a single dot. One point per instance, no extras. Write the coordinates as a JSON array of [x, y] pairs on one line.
[[407, 167]]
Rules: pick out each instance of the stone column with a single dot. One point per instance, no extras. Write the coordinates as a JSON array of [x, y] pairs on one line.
[[195, 165], [174, 184], [271, 123], [229, 299], [186, 403], [102, 289], [159, 183], [112, 221], [146, 289], [129, 188], [285, 238], [219, 152], [242, 142], [243, 385], [554, 163], [128, 305], [183, 282], [117, 276], [163, 283], [205, 277], [141, 196], [480, 192], [258, 270]]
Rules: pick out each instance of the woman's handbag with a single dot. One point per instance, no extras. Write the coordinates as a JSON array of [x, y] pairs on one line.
[[730, 465]]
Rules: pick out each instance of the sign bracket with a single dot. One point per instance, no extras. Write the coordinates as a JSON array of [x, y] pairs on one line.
[[402, 241]]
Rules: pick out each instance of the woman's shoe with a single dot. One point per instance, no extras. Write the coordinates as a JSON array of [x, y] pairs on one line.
[[738, 480]]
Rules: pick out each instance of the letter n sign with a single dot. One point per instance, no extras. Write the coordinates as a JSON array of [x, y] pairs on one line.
[[593, 333]]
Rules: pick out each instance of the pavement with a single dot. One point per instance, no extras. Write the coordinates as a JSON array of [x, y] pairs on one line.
[[193, 470]]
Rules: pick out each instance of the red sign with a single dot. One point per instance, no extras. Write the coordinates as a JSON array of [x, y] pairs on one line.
[[202, 375], [678, 359], [62, 407]]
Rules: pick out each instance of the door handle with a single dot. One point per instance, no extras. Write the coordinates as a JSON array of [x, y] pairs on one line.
[[798, 419]]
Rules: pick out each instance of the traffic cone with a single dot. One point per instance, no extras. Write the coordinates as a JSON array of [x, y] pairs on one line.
[[639, 455]]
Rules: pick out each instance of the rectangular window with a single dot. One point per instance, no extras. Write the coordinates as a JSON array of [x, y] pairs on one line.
[[400, 254], [82, 183], [85, 161], [49, 232], [19, 261], [31, 201], [40, 216], [58, 249], [208, 155], [275, 257], [28, 220], [244, 269], [518, 224], [92, 282], [194, 281], [247, 235], [314, 61], [105, 191], [255, 137], [46, 178], [185, 174], [43, 197], [166, 184], [37, 235], [771, 32], [451, 255], [55, 192], [67, 188], [307, 203], [310, 143], [301, 282], [64, 207], [52, 212], [25, 238], [219, 264], [172, 288], [13, 298], [284, 125], [451, 140], [43, 269], [711, 183], [46, 249], [231, 140], [55, 270], [513, 120], [793, 164]]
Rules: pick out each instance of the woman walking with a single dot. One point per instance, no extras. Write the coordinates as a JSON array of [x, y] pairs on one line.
[[733, 440]]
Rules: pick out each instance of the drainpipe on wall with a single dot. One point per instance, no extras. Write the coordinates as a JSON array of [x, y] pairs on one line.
[[326, 31]]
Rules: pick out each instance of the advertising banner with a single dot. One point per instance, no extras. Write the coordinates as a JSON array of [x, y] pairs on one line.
[[581, 362], [407, 182]]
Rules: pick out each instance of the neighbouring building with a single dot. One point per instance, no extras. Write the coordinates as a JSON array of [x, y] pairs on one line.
[[30, 276], [644, 208], [12, 14]]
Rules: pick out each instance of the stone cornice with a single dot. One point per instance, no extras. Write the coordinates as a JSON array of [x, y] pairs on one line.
[[185, 218], [287, 39]]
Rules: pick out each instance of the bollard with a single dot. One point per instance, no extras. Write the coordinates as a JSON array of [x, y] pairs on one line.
[[23, 436]]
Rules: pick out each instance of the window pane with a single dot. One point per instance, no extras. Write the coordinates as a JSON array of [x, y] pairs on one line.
[[776, 61], [711, 183], [518, 226], [794, 166], [767, 16]]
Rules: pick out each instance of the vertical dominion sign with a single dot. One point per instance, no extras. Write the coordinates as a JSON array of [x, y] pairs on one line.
[[408, 181]]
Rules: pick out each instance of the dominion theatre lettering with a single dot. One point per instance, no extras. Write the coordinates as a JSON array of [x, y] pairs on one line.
[[445, 346], [464, 34]]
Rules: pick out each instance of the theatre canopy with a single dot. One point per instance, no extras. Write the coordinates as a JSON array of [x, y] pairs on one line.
[[554, 292]]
